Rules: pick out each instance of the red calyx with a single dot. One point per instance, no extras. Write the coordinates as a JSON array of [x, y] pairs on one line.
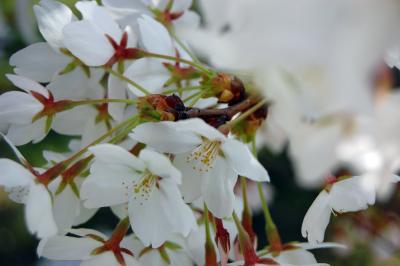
[[121, 52], [113, 243], [222, 236], [46, 177], [167, 17], [50, 106], [247, 224]]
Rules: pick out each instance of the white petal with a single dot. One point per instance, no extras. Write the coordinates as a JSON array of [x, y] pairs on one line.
[[218, 188], [123, 4], [191, 180], [178, 213], [170, 141], [107, 185], [309, 246], [181, 5], [38, 62], [159, 214], [85, 215], [13, 174], [67, 248], [52, 17], [305, 147], [132, 36], [85, 232], [296, 257], [113, 154], [23, 134], [199, 127], [351, 195], [130, 261], [160, 165], [88, 43], [103, 259], [76, 85], [72, 122], [148, 220], [316, 219], [101, 18], [66, 206], [155, 37], [188, 19], [27, 85], [121, 211], [148, 73], [93, 131], [38, 212], [243, 161], [18, 107], [117, 89]]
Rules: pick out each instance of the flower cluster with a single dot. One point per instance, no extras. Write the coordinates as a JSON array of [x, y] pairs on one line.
[[165, 140]]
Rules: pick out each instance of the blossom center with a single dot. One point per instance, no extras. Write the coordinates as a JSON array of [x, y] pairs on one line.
[[144, 186], [204, 156]]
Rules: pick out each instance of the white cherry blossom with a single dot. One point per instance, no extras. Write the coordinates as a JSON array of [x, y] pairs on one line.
[[148, 183], [20, 108], [97, 39], [52, 17], [23, 187], [208, 160], [348, 195]]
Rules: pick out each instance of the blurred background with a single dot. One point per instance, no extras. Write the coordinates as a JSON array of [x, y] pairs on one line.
[[373, 236]]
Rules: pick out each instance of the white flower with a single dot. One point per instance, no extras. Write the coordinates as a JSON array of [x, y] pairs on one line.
[[23, 187], [29, 62], [88, 121], [210, 162], [85, 246], [97, 39], [349, 195], [150, 73], [20, 108], [52, 17], [68, 209], [149, 184], [43, 61], [32, 114]]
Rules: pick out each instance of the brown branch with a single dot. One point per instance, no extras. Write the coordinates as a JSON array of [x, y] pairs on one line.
[[228, 112]]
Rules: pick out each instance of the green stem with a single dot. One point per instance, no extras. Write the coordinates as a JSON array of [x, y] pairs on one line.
[[270, 227], [124, 78], [243, 184], [194, 95], [175, 59], [183, 89], [119, 137], [237, 222], [100, 139], [100, 101], [267, 215], [207, 224]]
